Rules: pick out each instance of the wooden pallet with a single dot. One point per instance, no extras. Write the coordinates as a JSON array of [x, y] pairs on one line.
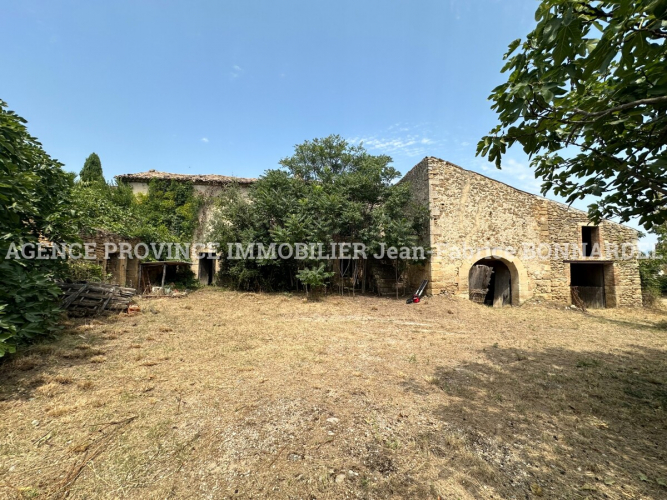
[[91, 299]]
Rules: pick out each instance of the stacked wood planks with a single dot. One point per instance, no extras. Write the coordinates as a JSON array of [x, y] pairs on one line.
[[89, 299]]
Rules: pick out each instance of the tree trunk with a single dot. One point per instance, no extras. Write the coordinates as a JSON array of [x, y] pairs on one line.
[[396, 279], [363, 278]]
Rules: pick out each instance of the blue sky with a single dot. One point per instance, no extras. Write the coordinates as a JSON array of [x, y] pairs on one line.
[[230, 87]]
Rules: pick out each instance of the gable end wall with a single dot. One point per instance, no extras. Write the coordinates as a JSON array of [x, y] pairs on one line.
[[471, 212]]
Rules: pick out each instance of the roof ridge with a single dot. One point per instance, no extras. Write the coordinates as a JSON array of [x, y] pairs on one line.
[[538, 196]]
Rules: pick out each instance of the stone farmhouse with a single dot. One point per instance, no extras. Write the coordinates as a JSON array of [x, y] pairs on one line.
[[477, 221], [204, 261]]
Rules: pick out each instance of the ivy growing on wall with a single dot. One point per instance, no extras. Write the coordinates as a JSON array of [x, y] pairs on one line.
[[170, 208], [167, 213]]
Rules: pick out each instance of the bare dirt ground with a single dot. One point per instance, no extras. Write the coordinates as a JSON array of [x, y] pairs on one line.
[[226, 395]]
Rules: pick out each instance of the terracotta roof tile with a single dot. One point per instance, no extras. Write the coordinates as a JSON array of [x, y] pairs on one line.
[[212, 179]]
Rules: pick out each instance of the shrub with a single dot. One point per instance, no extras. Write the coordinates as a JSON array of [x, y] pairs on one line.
[[314, 279], [83, 270], [651, 280], [185, 279]]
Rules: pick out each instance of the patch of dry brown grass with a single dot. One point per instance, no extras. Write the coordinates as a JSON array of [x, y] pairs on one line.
[[59, 411], [49, 390], [25, 363], [251, 395], [85, 385], [63, 379]]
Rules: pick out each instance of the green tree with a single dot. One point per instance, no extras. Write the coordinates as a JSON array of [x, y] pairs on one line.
[[35, 203], [327, 192], [586, 98], [402, 225], [314, 279], [92, 170]]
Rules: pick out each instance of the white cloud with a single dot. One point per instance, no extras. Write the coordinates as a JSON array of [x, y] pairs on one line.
[[204, 139], [236, 71], [399, 140], [409, 145], [515, 173]]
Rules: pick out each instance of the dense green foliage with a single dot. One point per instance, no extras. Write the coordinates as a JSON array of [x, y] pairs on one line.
[[92, 170], [586, 98], [82, 270], [327, 192], [651, 280], [184, 279], [108, 207], [653, 271], [168, 213], [34, 203]]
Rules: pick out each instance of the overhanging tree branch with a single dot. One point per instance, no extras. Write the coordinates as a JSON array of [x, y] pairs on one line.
[[622, 107]]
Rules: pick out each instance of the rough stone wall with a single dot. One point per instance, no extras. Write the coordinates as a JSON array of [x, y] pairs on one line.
[[418, 178], [622, 282], [139, 187], [127, 273], [472, 214], [205, 189]]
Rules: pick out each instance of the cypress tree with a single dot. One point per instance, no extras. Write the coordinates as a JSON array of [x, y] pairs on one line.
[[92, 169]]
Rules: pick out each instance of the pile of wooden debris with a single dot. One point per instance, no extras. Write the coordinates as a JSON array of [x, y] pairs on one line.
[[89, 299]]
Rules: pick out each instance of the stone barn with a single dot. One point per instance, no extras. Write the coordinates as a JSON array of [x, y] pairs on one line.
[[535, 248]]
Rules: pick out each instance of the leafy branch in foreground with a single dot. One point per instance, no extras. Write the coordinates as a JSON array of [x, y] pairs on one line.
[[35, 204], [586, 98]]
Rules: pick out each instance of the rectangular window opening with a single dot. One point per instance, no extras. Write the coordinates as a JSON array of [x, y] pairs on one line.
[[590, 241]]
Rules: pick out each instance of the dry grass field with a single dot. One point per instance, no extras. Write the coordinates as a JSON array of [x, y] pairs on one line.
[[229, 395]]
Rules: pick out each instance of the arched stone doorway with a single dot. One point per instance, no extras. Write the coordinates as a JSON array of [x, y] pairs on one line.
[[494, 276], [519, 291]]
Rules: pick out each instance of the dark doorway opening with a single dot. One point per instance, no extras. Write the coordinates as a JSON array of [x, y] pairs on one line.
[[494, 282], [113, 268], [587, 284], [207, 268]]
